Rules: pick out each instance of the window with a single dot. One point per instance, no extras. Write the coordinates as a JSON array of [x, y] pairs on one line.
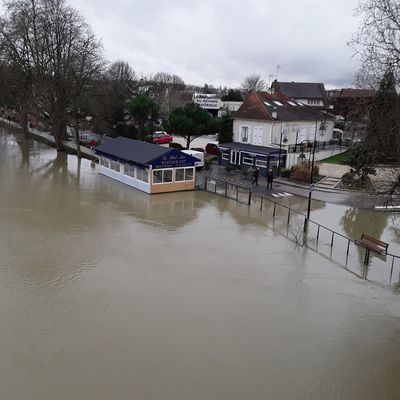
[[183, 174], [129, 170], [267, 104], [247, 160], [104, 162], [244, 133], [115, 165], [225, 156], [278, 103], [313, 101], [291, 103], [261, 163], [167, 178], [162, 176], [142, 174]]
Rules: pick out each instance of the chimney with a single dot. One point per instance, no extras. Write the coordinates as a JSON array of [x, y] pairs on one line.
[[274, 113]]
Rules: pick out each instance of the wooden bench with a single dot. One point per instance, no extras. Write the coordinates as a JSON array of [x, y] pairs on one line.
[[373, 244]]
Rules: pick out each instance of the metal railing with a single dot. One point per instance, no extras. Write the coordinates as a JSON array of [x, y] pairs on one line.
[[339, 248]]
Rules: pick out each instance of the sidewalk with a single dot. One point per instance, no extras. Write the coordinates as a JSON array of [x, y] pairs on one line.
[[282, 187], [47, 138]]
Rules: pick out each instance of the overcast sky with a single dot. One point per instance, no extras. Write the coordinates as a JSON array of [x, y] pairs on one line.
[[219, 42]]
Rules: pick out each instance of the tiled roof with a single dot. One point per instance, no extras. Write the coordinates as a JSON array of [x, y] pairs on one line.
[[301, 90], [262, 105], [353, 93]]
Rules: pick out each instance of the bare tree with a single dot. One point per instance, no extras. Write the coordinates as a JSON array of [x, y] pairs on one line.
[[54, 46], [164, 80], [377, 40], [253, 82]]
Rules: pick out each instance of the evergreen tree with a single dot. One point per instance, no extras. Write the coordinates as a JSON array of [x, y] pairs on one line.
[[382, 141]]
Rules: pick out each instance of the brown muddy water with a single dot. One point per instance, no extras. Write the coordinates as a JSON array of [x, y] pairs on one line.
[[108, 293]]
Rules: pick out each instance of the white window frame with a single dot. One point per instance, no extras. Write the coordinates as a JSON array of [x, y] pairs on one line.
[[117, 163], [248, 160], [241, 136], [104, 162], [184, 174], [137, 169], [225, 156], [261, 163], [130, 166], [162, 170]]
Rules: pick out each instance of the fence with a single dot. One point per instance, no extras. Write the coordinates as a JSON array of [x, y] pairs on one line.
[[319, 146], [342, 250]]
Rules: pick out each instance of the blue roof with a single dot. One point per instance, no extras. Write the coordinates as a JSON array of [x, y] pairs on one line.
[[134, 151], [144, 153]]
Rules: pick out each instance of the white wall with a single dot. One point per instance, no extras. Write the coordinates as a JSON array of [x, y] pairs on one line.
[[265, 125], [272, 131], [121, 177]]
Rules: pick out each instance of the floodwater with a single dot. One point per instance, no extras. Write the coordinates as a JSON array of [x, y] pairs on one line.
[[108, 293]]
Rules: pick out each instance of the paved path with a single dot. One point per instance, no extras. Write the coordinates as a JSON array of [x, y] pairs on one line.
[[283, 188], [46, 137]]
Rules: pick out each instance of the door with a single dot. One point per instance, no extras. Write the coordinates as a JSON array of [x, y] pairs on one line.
[[257, 135], [235, 157]]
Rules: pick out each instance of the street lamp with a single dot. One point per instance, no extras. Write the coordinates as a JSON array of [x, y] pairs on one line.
[[311, 188]]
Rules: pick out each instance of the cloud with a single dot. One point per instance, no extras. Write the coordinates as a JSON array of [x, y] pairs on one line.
[[221, 42]]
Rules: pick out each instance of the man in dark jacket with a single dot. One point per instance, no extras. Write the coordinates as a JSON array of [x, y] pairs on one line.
[[270, 179], [256, 173]]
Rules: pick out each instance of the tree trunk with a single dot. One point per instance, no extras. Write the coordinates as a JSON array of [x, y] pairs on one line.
[[58, 131], [188, 141], [24, 121], [78, 145]]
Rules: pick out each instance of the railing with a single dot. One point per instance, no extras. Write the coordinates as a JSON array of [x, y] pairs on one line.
[[320, 146], [333, 245]]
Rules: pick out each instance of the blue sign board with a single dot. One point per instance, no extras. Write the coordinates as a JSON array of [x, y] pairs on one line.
[[174, 159]]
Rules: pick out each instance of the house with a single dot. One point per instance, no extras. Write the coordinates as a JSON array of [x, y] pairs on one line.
[[245, 156], [275, 121], [308, 93], [146, 166], [351, 103]]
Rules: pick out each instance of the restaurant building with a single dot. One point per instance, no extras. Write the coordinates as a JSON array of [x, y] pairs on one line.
[[145, 166]]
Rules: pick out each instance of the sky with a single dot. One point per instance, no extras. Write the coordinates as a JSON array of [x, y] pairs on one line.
[[220, 42]]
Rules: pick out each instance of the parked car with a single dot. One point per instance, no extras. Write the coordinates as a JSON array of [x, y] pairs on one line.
[[212, 148], [198, 155], [161, 138]]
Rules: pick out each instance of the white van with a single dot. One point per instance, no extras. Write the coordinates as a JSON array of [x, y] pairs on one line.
[[196, 154]]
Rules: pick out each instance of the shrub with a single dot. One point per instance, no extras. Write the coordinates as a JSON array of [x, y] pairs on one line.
[[301, 174], [229, 167], [285, 173], [348, 178]]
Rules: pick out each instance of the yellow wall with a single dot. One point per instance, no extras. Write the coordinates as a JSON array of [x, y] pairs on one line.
[[171, 187]]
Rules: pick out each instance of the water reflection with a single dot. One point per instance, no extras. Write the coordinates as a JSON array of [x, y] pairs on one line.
[[356, 221], [168, 211]]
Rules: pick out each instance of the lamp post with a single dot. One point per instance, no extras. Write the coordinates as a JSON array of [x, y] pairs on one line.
[[311, 188], [280, 149]]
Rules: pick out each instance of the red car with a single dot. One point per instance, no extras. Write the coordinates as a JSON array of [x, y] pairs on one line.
[[161, 138], [212, 148]]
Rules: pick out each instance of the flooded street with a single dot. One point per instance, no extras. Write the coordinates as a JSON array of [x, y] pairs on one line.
[[109, 293]]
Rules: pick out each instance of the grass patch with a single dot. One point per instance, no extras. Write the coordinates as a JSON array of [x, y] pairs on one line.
[[342, 158]]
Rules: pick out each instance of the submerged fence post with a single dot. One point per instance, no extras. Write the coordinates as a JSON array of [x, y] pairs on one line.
[[249, 197], [205, 185], [262, 198], [273, 215], [226, 189], [391, 270]]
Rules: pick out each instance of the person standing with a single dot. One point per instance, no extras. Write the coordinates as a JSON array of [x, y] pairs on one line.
[[256, 173], [270, 179]]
